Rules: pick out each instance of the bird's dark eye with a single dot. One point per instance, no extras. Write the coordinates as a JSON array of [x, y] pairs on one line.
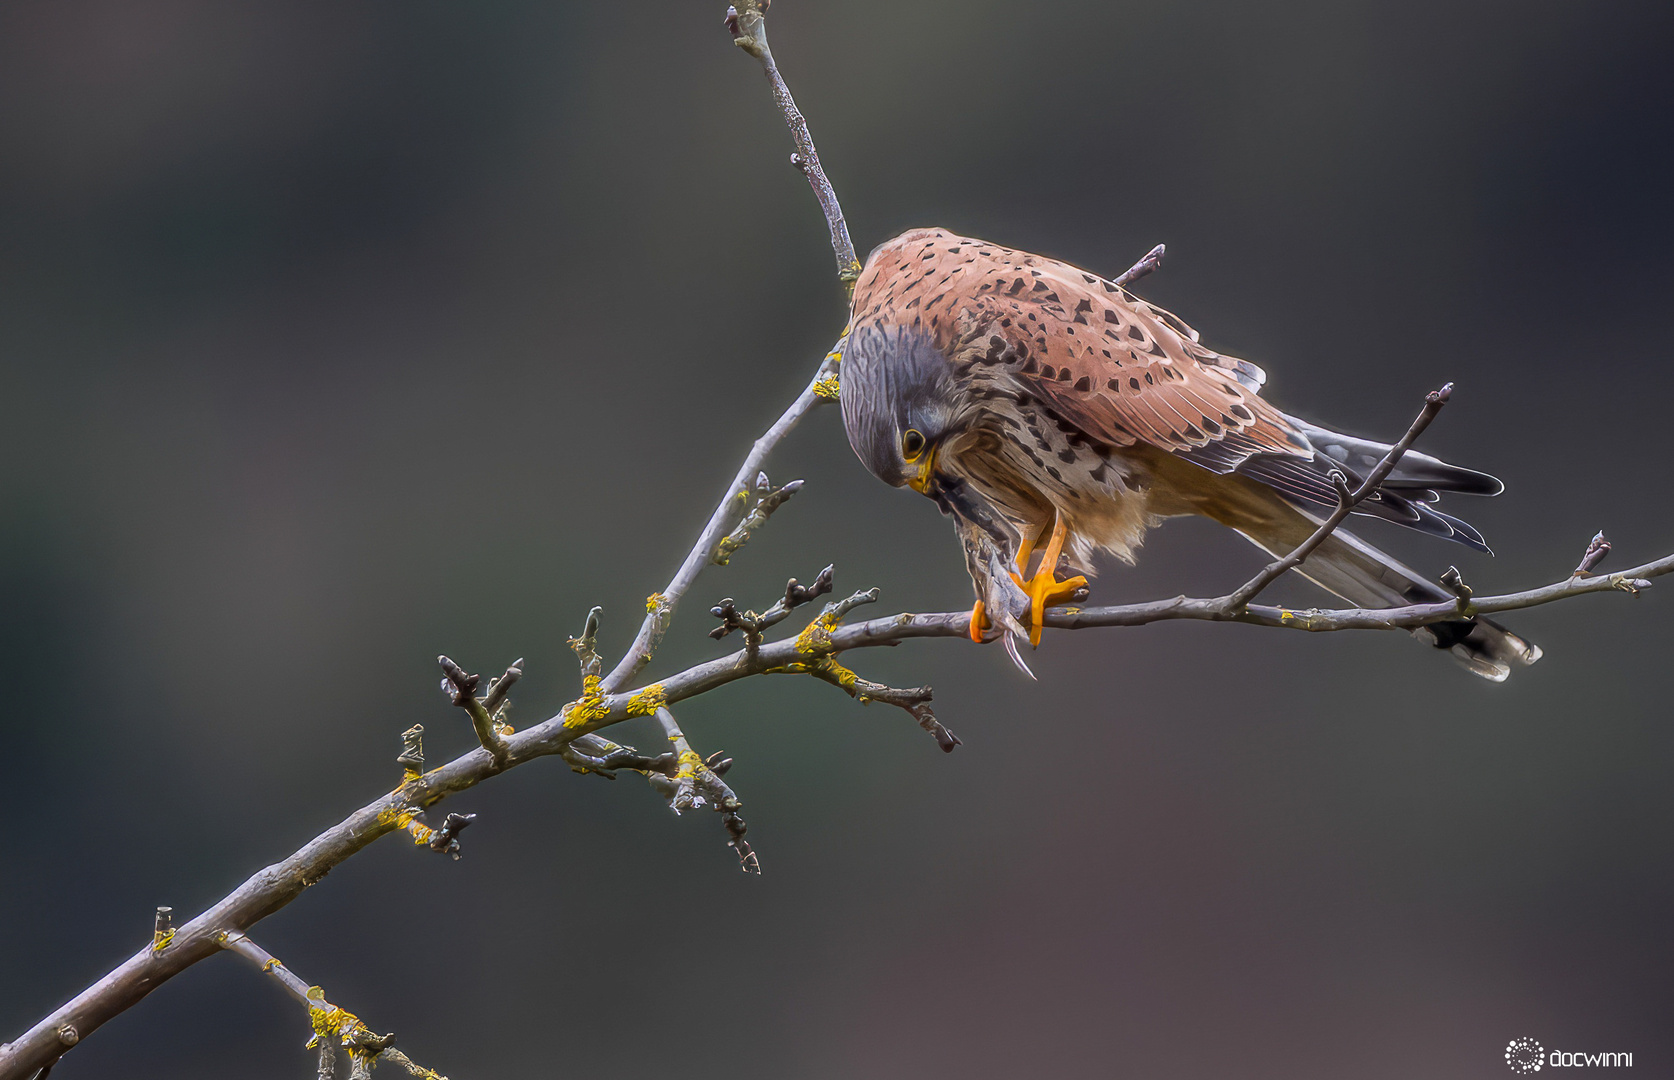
[[912, 444]]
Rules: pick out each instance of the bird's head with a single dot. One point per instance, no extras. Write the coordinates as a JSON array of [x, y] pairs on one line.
[[898, 404]]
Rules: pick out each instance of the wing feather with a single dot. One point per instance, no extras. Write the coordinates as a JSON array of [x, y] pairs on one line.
[[1122, 371]]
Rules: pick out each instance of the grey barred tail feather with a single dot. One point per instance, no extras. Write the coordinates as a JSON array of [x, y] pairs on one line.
[[1369, 578], [1406, 498]]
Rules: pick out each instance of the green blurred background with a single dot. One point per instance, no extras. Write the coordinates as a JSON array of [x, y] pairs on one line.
[[335, 336]]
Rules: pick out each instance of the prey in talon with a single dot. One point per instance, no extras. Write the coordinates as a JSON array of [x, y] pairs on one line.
[[1053, 414]]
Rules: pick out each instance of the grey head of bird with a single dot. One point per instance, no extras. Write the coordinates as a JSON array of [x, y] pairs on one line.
[[900, 403]]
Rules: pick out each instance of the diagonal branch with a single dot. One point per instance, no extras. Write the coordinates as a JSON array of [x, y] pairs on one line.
[[748, 26], [661, 605], [334, 1027]]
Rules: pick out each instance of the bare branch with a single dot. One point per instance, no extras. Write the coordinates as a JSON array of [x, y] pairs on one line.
[[276, 886], [748, 26]]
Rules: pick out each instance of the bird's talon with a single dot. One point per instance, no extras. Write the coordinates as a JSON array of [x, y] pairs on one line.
[[1044, 589]]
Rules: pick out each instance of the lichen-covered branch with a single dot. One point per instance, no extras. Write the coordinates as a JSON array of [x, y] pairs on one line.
[[690, 781], [334, 1027], [768, 499]]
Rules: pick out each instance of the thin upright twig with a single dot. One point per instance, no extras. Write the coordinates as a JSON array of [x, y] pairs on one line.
[[660, 606], [748, 25]]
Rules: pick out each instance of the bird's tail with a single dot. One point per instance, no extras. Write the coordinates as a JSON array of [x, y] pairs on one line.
[[1369, 578]]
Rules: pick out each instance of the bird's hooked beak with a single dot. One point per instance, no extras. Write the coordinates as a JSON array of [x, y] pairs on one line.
[[926, 471]]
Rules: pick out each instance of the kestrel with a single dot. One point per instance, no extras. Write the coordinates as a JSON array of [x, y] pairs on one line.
[[1052, 414]]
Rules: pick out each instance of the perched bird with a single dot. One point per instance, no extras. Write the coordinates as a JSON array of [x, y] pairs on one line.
[[1053, 414]]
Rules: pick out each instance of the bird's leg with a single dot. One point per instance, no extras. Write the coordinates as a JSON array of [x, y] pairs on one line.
[[1045, 589]]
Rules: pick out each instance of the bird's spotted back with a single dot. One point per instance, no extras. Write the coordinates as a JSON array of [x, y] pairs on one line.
[[1119, 369]]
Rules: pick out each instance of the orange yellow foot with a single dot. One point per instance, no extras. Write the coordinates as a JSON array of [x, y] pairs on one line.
[[1044, 589]]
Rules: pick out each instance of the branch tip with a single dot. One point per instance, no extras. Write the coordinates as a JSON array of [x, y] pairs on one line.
[[461, 690], [1597, 548], [162, 932], [412, 751], [498, 690], [1148, 264], [446, 839], [768, 500]]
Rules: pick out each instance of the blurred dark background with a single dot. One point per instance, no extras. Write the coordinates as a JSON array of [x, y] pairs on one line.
[[335, 336]]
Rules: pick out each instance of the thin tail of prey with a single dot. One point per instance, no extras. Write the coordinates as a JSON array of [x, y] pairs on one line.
[[1366, 577]]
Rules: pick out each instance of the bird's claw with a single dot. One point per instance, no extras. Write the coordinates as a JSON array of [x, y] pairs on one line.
[[1011, 591], [1045, 589]]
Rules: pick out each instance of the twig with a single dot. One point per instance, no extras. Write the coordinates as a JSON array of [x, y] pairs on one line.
[[768, 500], [162, 932], [796, 594], [656, 621], [1597, 548], [692, 781], [748, 26], [1145, 267], [461, 689], [915, 700], [496, 696], [1346, 502], [333, 1026], [1454, 582]]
